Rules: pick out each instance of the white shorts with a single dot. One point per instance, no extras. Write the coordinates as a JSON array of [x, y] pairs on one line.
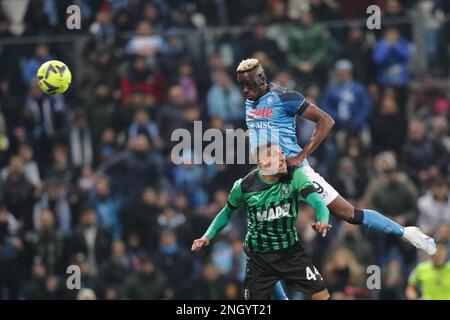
[[326, 191]]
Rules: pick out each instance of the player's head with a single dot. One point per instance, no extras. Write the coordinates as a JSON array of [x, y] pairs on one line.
[[441, 256], [251, 79], [271, 159]]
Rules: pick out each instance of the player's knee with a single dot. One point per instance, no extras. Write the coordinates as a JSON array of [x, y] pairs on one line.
[[347, 214], [322, 295]]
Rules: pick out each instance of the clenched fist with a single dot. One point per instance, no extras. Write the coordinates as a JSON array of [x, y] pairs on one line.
[[199, 244]]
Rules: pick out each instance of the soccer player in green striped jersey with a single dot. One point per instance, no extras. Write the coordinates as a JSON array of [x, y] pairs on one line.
[[271, 195]]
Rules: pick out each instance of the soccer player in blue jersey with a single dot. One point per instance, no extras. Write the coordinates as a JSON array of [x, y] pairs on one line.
[[270, 113]]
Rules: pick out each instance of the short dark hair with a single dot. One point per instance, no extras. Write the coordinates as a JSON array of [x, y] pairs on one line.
[[263, 147]]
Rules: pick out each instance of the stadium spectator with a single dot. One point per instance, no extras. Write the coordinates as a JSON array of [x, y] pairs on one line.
[[18, 193], [44, 119], [169, 256], [434, 206], [107, 208], [31, 169], [91, 241], [175, 221], [418, 155], [187, 80], [347, 101], [211, 286], [34, 289], [349, 180], [440, 131], [388, 127], [145, 225], [170, 116], [41, 55], [102, 28], [145, 42], [144, 79], [10, 249], [60, 170], [392, 281], [114, 270], [81, 143], [148, 282], [342, 271], [426, 95], [392, 54], [397, 197], [308, 45], [142, 124], [108, 147], [225, 100], [229, 258], [103, 111], [99, 69], [132, 171], [54, 199], [351, 238], [357, 50], [45, 243], [259, 42]]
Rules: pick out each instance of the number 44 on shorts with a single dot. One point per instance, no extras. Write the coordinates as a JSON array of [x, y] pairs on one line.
[[312, 275]]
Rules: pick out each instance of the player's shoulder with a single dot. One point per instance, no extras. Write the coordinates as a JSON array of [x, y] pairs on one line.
[[298, 176], [284, 94], [252, 183]]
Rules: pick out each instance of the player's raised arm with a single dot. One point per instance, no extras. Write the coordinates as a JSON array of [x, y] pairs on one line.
[[324, 123], [310, 195], [222, 218]]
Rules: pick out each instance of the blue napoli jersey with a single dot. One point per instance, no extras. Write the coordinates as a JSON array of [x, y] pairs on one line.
[[272, 118]]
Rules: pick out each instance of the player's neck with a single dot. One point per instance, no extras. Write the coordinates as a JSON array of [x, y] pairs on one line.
[[269, 178]]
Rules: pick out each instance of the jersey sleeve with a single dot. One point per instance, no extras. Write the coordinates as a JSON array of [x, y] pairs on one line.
[[302, 184], [293, 102], [309, 194], [235, 197], [224, 216]]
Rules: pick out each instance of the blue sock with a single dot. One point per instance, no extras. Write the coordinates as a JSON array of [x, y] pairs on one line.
[[278, 292], [376, 221]]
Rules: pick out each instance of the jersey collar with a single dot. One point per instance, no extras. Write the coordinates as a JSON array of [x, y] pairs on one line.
[[264, 181]]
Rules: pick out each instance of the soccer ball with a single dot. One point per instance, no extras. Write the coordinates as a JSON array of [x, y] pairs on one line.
[[54, 77]]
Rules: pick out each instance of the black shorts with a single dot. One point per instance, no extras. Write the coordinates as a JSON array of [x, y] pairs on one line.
[[292, 265]]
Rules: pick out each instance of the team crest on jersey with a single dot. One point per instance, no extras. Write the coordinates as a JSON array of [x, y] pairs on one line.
[[269, 101], [285, 189]]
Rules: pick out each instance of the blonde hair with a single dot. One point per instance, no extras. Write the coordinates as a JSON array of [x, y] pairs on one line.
[[356, 270], [248, 65]]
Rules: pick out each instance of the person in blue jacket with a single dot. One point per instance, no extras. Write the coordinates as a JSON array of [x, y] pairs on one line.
[[347, 101]]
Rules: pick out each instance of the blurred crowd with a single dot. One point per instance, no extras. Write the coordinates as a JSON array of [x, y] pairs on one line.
[[87, 179]]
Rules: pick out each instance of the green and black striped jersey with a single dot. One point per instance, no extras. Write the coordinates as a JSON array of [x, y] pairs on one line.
[[271, 209]]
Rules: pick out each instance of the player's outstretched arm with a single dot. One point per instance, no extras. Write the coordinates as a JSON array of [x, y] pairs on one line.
[[222, 218], [323, 214], [310, 195], [219, 222], [324, 124]]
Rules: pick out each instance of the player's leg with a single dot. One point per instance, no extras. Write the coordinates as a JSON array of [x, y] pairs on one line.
[[374, 220], [260, 277], [300, 273], [278, 292], [322, 295], [341, 208]]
